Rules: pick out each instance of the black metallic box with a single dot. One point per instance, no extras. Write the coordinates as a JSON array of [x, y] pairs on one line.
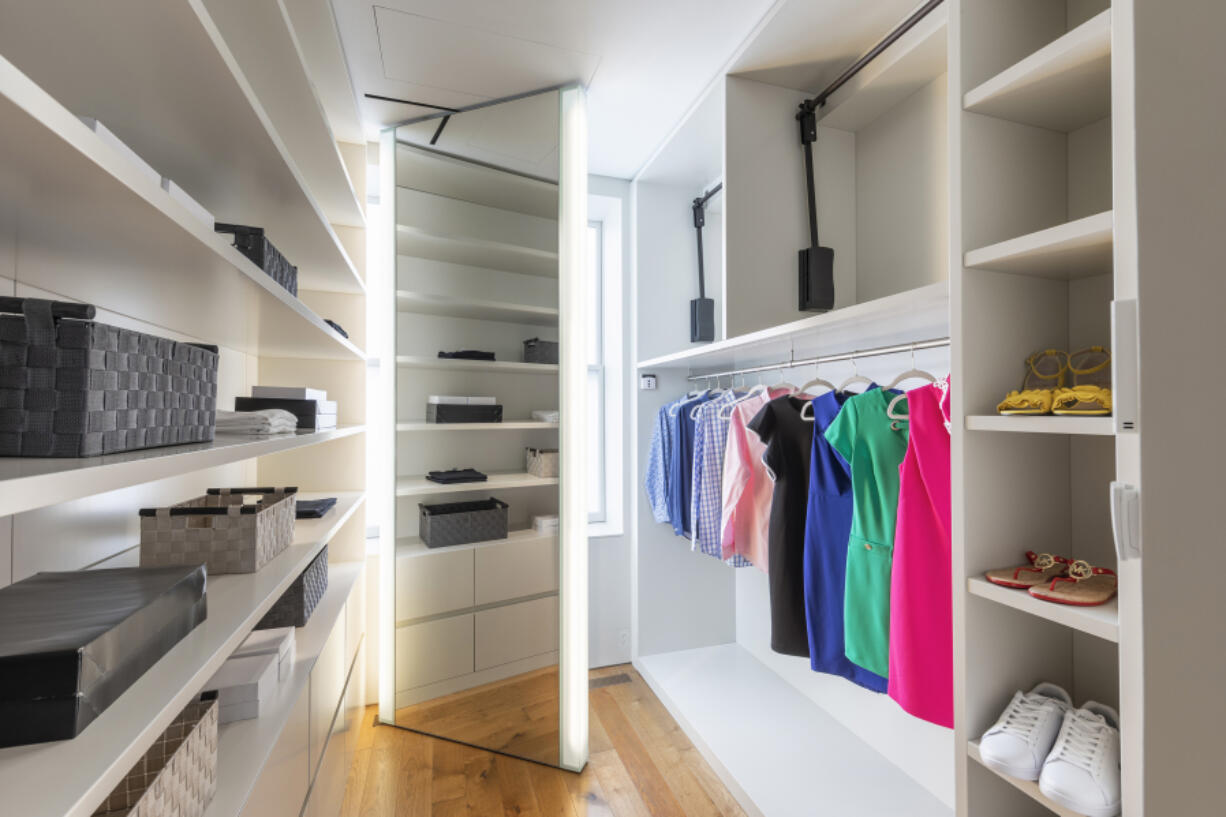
[[72, 643], [454, 413]]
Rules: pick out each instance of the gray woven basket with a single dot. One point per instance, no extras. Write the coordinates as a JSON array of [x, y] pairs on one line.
[[540, 351], [177, 777], [296, 604], [459, 523], [70, 387], [219, 530]]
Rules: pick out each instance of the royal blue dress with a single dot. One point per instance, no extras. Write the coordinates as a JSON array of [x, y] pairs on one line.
[[827, 528]]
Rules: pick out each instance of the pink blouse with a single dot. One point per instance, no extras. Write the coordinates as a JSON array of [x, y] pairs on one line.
[[747, 488]]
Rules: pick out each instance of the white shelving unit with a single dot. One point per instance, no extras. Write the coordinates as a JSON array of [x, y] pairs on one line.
[[1095, 426], [1101, 621], [1078, 249], [409, 546], [475, 252], [1027, 787], [491, 366], [420, 486], [511, 425], [424, 303]]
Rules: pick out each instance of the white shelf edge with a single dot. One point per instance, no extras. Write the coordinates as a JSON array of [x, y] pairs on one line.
[[244, 747], [410, 546], [459, 250], [1074, 249], [1044, 424], [425, 303], [498, 481], [1029, 787], [507, 366], [511, 188], [514, 425], [1101, 622], [28, 483], [33, 777]]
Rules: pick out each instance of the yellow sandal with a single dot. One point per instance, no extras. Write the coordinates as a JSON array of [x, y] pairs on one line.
[[1044, 376], [1090, 393]]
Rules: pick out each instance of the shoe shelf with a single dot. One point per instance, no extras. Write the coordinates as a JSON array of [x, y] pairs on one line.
[[1063, 86], [475, 252], [424, 303], [1046, 424], [244, 747], [498, 481], [178, 97], [513, 425], [1029, 787], [1078, 249], [1102, 621], [492, 366], [70, 778], [27, 483], [145, 241]]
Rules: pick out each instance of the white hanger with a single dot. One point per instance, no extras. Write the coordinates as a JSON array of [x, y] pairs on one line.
[[911, 374], [806, 411], [855, 378]]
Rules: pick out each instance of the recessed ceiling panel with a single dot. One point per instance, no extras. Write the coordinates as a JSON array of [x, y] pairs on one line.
[[442, 55]]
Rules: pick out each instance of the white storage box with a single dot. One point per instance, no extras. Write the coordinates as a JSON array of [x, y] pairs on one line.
[[278, 642], [194, 207], [116, 144], [289, 393], [450, 400], [545, 524], [242, 684]]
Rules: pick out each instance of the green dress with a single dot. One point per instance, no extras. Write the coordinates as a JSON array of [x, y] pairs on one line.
[[862, 435]]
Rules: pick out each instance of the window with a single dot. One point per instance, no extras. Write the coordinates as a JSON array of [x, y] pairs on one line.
[[604, 365], [597, 506]]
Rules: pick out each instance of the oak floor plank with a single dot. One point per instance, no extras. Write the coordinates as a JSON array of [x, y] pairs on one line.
[[619, 791], [355, 783], [648, 780]]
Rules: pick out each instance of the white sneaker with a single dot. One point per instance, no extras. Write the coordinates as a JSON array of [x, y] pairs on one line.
[[1082, 772], [1022, 738]]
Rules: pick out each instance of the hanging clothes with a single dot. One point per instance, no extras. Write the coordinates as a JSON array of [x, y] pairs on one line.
[[789, 441], [861, 433], [921, 592], [706, 496], [747, 490], [681, 463], [827, 527], [659, 458]]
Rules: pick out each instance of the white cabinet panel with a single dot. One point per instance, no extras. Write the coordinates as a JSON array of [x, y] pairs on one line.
[[516, 631], [327, 684], [434, 651], [282, 785], [516, 568], [355, 618], [434, 583], [328, 794]]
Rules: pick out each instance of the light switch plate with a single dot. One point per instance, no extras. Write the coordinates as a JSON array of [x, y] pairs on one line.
[[648, 382]]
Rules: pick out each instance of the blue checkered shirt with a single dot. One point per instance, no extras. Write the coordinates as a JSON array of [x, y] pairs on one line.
[[706, 498], [656, 482]]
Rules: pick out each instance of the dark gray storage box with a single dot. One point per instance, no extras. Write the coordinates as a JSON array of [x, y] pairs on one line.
[[540, 351], [455, 413], [252, 242], [296, 604], [72, 643], [459, 523], [70, 387]]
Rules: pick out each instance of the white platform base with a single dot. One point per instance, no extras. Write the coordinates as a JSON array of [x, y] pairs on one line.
[[778, 753]]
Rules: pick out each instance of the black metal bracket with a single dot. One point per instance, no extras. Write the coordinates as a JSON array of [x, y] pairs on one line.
[[702, 308]]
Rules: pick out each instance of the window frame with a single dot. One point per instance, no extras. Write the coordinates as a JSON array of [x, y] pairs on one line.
[[608, 213]]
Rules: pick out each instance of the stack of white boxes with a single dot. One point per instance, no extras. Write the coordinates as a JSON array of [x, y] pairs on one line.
[[249, 677], [325, 409]]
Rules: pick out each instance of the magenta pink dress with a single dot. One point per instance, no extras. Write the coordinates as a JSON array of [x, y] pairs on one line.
[[921, 587]]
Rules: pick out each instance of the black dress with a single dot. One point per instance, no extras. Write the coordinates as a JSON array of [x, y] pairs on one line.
[[789, 445]]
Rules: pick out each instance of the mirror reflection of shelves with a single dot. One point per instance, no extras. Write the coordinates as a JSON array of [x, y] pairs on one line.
[[498, 481]]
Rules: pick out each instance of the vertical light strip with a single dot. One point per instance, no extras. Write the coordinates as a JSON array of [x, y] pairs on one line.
[[573, 557], [384, 261]]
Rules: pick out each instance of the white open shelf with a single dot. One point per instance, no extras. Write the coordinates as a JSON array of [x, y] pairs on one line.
[[141, 243], [498, 481], [27, 483], [1063, 86], [1102, 621], [919, 314], [1077, 249], [34, 779], [1043, 424], [513, 425], [177, 96], [915, 60], [1030, 787], [244, 747], [506, 366], [408, 546], [266, 47], [425, 303], [476, 252], [424, 169]]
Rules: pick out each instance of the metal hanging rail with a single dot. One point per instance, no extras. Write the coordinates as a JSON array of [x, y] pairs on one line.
[[934, 343]]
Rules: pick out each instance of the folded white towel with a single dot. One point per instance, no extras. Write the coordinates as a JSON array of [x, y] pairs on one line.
[[545, 416], [265, 421]]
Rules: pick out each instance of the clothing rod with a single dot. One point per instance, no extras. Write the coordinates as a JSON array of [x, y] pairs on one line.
[[873, 53], [934, 343]]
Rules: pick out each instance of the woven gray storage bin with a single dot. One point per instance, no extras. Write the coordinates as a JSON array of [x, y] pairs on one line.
[[219, 530], [296, 604], [458, 523], [542, 462], [70, 387], [177, 777], [540, 351]]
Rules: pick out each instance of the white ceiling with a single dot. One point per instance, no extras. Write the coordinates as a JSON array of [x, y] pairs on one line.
[[645, 62]]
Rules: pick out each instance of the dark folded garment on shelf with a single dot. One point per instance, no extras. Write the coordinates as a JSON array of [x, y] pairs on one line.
[[456, 475], [315, 508], [337, 327], [467, 354]]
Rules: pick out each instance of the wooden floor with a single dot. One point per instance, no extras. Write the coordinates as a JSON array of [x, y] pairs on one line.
[[641, 764]]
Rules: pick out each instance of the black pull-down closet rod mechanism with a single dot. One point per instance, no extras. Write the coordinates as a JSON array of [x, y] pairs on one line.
[[702, 308]]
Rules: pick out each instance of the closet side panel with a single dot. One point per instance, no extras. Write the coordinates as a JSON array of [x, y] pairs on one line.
[[667, 260]]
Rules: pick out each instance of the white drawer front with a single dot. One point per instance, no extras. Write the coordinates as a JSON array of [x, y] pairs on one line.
[[516, 631], [515, 569], [434, 651], [434, 583], [282, 785], [355, 618], [327, 684]]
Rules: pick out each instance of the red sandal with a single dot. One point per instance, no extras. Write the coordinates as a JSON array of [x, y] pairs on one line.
[[1042, 568]]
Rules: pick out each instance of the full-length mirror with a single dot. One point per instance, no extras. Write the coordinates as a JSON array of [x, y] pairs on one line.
[[481, 286]]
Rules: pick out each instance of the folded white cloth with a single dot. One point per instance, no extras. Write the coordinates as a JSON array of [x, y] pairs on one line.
[[265, 421], [545, 416]]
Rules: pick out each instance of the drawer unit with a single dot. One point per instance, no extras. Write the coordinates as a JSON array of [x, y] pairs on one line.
[[521, 566], [282, 785], [355, 617], [428, 584], [434, 651], [516, 631], [327, 684]]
